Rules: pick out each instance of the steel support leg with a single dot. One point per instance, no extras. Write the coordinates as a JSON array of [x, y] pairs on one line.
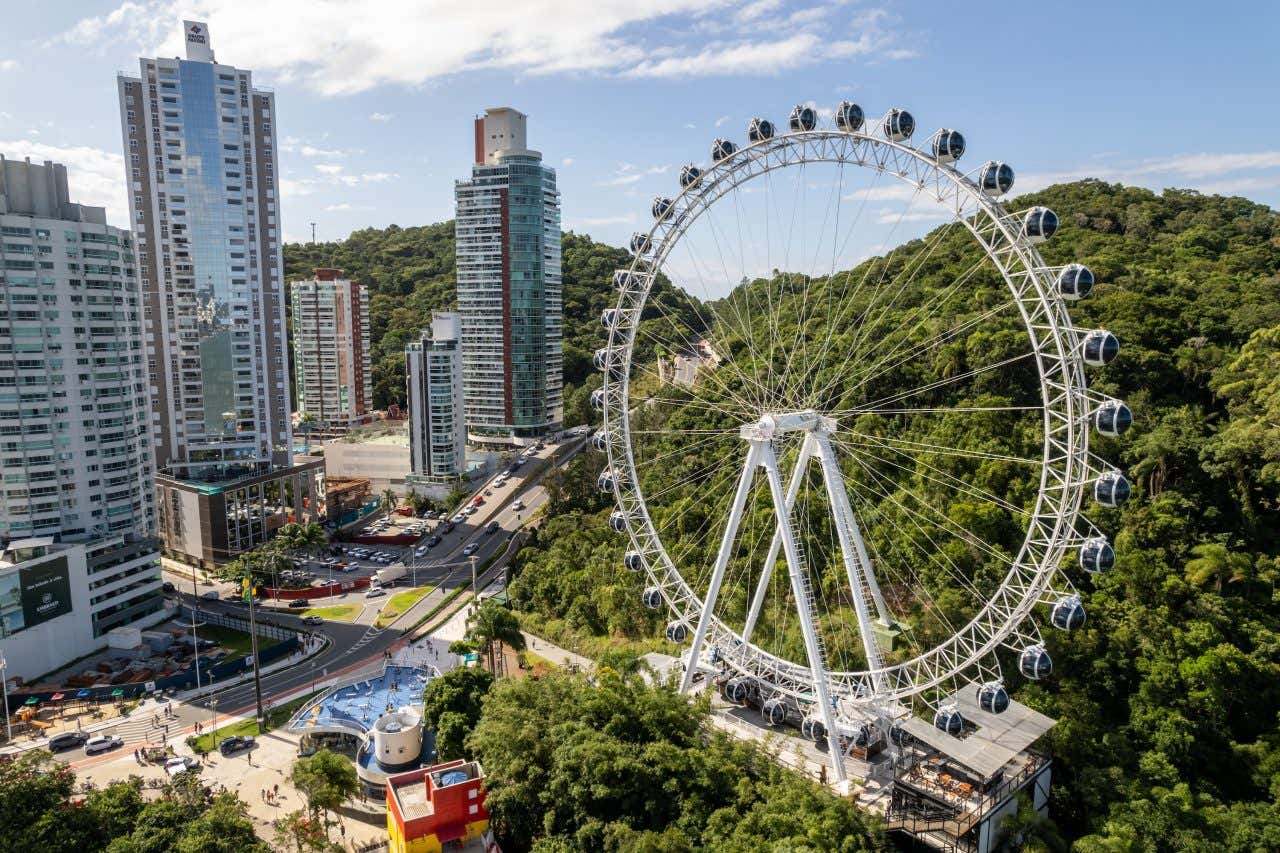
[[857, 573], [722, 561], [762, 588], [817, 667]]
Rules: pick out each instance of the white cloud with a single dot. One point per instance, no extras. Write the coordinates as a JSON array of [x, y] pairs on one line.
[[721, 121], [628, 174], [95, 177], [4, 116], [312, 151], [597, 221], [8, 65], [328, 168], [567, 161], [381, 116], [368, 43], [344, 207], [329, 177]]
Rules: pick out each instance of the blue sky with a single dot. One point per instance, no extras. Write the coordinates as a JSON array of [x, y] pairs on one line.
[[375, 97]]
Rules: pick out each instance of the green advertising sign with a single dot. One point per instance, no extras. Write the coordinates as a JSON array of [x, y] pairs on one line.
[[46, 591]]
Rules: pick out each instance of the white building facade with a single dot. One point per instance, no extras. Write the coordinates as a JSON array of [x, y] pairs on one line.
[[437, 430], [200, 146], [507, 231], [332, 365], [74, 440]]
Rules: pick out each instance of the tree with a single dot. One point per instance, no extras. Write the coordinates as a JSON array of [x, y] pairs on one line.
[[451, 708], [224, 827], [306, 422], [1215, 562], [300, 831], [389, 500], [492, 625], [326, 779]]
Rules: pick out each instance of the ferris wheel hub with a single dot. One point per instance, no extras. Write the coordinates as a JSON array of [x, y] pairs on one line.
[[775, 423]]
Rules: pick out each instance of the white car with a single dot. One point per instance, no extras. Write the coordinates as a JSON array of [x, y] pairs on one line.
[[102, 743], [470, 549], [517, 505], [420, 552], [374, 592], [174, 766], [459, 518]]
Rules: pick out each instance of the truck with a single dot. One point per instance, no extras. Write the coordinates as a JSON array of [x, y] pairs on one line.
[[390, 575]]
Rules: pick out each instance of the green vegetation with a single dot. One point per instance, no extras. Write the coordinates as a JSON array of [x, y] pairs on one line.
[[491, 626], [42, 808], [621, 766], [410, 273], [451, 708], [275, 717], [399, 603], [335, 612], [327, 780], [1168, 699], [238, 642]]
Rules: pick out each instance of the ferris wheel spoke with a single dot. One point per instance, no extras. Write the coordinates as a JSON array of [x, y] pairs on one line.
[[716, 381], [919, 316], [926, 449], [943, 478], [940, 519], [920, 410], [950, 380]]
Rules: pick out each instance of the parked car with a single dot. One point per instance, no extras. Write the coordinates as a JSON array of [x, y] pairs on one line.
[[102, 743], [471, 549], [236, 743], [312, 620], [67, 740], [174, 766], [299, 604], [211, 595], [492, 527], [374, 592]]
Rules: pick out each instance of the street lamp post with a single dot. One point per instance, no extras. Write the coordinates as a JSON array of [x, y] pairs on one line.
[[253, 647], [4, 686], [473, 580], [213, 721]]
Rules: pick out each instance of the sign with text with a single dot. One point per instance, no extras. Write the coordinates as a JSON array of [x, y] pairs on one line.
[[197, 39], [34, 594]]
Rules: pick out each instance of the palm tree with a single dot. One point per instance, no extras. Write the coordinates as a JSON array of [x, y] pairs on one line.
[[306, 421], [389, 500], [494, 625], [1215, 562]]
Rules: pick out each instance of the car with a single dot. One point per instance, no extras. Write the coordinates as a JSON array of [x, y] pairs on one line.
[[174, 766], [299, 603], [517, 505], [458, 519], [236, 743], [469, 511], [67, 740], [433, 541], [450, 525], [102, 743], [471, 549], [312, 620], [167, 586], [374, 592], [332, 561], [539, 447], [211, 595], [492, 527], [520, 462]]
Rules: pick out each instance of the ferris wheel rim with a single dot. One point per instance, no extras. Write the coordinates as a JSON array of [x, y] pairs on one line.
[[1008, 609]]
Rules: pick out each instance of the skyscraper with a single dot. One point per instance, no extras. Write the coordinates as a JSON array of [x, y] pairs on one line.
[[77, 558], [332, 366], [201, 146], [437, 435], [508, 271]]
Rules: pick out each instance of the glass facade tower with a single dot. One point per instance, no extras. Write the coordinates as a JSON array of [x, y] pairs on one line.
[[509, 287]]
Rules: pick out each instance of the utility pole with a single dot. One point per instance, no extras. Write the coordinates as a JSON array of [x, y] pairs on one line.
[[253, 646], [472, 558], [313, 233], [195, 640]]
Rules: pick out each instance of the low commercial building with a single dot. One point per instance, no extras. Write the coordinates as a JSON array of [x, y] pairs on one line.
[[436, 806], [59, 600]]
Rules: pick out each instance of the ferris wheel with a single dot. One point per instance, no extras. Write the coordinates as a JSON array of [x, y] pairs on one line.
[[851, 461]]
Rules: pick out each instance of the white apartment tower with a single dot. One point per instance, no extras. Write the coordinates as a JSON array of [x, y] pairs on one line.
[[332, 366], [508, 270], [200, 142], [76, 554], [437, 433]]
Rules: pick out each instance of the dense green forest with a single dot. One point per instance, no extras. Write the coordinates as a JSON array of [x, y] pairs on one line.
[[1168, 699], [410, 273], [613, 764]]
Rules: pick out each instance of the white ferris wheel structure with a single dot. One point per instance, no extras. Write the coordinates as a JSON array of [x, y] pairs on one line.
[[829, 506]]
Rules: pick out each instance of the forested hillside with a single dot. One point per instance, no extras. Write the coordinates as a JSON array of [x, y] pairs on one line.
[[410, 273], [1168, 699]]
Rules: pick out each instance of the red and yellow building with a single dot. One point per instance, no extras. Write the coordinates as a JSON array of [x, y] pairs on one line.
[[428, 808]]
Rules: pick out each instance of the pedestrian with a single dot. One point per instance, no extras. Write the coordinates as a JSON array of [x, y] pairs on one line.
[[275, 790]]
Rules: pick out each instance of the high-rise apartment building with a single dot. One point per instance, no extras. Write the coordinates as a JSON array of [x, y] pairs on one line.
[[77, 558], [437, 433], [508, 269], [332, 366], [200, 143]]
